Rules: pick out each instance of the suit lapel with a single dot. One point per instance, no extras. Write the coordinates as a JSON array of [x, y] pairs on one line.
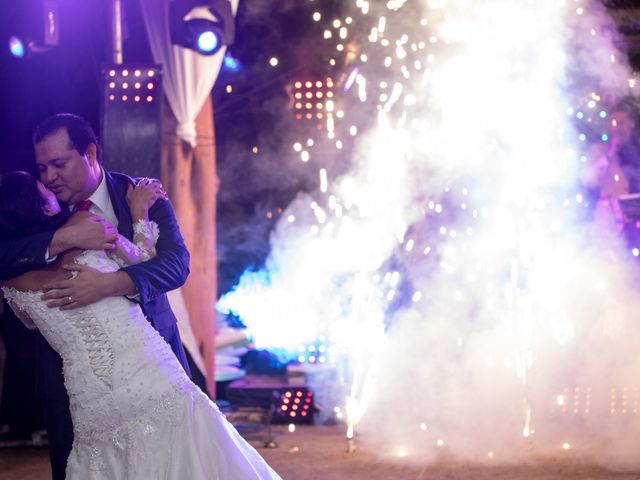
[[118, 196]]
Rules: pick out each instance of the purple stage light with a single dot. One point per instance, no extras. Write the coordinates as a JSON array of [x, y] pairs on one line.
[[16, 47], [231, 63]]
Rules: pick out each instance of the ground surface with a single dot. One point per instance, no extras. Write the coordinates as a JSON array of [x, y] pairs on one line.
[[319, 453]]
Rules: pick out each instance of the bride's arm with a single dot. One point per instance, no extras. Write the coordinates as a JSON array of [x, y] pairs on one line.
[[141, 249], [145, 233], [23, 316]]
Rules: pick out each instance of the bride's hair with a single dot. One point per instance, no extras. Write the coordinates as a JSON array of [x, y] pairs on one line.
[[22, 207]]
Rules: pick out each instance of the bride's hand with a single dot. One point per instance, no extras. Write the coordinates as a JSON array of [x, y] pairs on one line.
[[86, 231], [141, 197]]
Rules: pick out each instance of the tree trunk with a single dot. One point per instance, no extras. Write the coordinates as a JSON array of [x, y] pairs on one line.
[[189, 175]]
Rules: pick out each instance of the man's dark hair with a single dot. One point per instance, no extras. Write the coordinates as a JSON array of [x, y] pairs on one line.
[[79, 130], [22, 207]]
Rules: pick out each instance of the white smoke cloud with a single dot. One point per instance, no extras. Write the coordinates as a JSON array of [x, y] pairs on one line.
[[515, 336]]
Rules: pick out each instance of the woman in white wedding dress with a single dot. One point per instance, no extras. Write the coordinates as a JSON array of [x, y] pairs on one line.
[[136, 414]]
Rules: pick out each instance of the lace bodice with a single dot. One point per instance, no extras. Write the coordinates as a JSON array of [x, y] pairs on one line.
[[106, 350], [143, 248], [135, 413]]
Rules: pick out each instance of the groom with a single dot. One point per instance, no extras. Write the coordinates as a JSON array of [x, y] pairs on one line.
[[68, 159]]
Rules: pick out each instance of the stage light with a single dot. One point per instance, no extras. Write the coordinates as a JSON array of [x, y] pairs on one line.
[[288, 404], [231, 63], [202, 35], [16, 47], [201, 25], [35, 26], [313, 92], [208, 41], [131, 118]]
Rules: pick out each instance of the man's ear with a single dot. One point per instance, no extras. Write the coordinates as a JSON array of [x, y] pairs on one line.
[[92, 153]]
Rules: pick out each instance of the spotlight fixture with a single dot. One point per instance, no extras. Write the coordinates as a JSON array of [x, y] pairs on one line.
[[36, 26], [313, 100], [130, 126], [201, 25], [286, 403], [16, 47]]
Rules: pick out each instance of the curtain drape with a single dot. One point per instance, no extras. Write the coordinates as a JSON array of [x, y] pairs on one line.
[[188, 171], [188, 77]]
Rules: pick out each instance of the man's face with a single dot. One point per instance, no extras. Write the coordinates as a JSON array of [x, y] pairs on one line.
[[68, 174]]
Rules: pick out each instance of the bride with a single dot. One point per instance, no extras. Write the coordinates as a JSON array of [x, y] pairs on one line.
[[136, 414]]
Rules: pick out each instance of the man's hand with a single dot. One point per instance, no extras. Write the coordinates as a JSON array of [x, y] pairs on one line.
[[88, 232], [88, 286]]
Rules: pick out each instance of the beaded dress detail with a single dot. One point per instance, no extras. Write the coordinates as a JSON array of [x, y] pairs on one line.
[[136, 414]]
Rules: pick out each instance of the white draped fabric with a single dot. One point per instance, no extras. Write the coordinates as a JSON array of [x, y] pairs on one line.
[[188, 77], [176, 300], [135, 413]]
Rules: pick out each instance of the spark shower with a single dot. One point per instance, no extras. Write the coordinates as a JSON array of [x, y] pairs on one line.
[[453, 300]]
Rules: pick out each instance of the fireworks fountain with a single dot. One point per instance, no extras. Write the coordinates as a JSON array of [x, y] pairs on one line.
[[445, 276]]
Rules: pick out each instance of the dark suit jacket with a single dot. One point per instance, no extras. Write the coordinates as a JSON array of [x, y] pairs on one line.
[[167, 271]]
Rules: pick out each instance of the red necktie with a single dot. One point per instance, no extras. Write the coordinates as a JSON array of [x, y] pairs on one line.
[[82, 205]]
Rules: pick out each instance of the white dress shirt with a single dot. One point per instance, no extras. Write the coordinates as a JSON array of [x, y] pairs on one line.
[[102, 205]]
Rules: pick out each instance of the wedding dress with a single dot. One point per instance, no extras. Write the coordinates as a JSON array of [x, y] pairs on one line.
[[136, 414]]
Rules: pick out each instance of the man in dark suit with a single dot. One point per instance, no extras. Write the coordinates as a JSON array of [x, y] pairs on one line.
[[68, 159]]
